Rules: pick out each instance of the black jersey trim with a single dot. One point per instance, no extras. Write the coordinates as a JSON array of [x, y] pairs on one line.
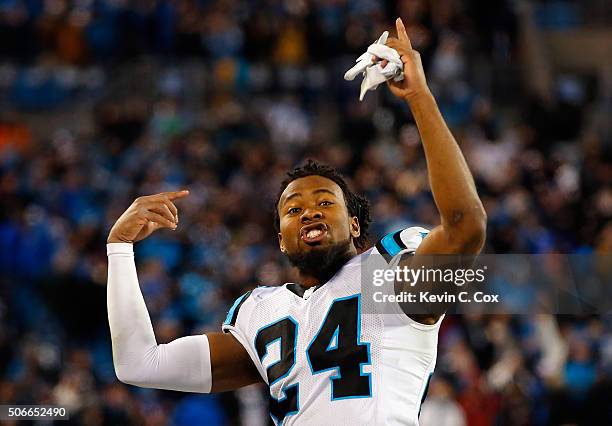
[[390, 245], [232, 315], [298, 290]]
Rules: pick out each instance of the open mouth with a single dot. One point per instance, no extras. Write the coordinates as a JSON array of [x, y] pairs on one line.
[[314, 233]]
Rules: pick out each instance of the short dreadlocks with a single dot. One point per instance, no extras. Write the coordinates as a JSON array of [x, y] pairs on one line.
[[356, 204]]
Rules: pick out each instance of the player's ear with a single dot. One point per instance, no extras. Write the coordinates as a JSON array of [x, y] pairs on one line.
[[355, 228], [281, 244]]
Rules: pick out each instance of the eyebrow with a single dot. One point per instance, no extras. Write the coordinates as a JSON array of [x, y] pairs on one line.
[[316, 191], [320, 190]]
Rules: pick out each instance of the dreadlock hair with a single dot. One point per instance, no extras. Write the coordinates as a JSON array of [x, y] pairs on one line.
[[356, 204]]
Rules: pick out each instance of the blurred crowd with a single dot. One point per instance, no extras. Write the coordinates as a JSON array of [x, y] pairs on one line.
[[222, 97]]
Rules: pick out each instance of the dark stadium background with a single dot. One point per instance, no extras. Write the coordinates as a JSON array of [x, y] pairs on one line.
[[105, 100]]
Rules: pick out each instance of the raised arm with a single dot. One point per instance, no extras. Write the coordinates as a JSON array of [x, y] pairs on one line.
[[463, 219], [462, 216], [204, 363]]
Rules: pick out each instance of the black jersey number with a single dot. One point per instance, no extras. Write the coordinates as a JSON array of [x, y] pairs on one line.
[[285, 331], [335, 347]]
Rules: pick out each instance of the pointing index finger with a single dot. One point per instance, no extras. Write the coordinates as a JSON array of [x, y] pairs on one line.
[[173, 195], [401, 32]]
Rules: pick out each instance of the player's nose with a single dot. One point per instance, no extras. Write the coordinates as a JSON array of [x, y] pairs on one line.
[[311, 215]]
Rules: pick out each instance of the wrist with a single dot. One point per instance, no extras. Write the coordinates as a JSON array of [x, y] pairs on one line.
[[114, 239], [419, 96]]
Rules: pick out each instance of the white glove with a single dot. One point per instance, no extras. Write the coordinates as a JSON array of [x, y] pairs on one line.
[[365, 60], [373, 72]]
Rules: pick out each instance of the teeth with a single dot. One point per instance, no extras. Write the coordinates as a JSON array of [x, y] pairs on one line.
[[313, 233]]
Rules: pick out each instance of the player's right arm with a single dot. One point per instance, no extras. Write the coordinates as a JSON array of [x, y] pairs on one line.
[[215, 362]]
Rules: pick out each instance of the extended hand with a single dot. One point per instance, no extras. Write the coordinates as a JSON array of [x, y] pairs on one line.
[[146, 215], [414, 84]]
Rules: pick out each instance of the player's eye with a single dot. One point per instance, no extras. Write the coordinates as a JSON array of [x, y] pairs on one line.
[[325, 203], [294, 210]]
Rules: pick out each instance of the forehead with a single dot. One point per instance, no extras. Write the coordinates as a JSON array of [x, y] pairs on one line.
[[310, 184]]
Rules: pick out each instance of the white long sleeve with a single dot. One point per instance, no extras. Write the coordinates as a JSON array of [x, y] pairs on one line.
[[181, 365]]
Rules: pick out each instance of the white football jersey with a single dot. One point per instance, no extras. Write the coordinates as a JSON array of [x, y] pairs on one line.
[[327, 357]]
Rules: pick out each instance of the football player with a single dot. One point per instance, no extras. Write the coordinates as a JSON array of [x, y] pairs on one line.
[[327, 356]]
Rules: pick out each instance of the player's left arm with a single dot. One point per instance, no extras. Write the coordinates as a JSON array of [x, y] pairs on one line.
[[463, 218]]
